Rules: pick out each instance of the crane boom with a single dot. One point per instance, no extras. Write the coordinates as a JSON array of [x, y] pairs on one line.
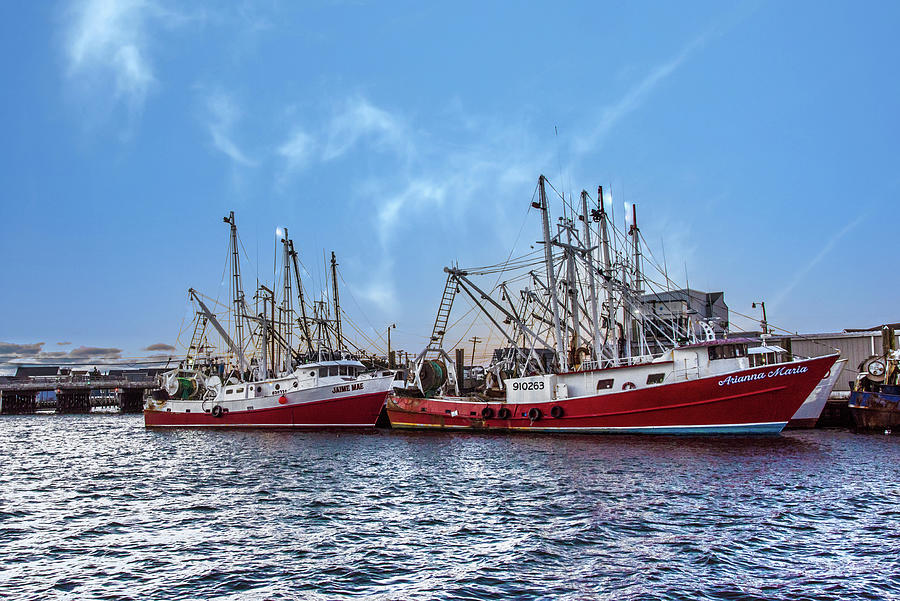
[[238, 352]]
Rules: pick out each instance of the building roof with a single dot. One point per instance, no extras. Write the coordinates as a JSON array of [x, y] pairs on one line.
[[36, 370]]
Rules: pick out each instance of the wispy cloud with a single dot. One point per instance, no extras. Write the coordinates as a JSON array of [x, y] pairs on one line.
[[633, 98], [492, 163], [356, 122], [829, 245], [296, 152], [360, 120], [222, 116]]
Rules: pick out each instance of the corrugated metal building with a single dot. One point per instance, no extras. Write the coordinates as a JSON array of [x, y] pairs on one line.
[[856, 347]]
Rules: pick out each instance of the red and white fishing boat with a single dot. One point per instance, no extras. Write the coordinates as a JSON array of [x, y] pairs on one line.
[[264, 380], [325, 394], [706, 388], [581, 350]]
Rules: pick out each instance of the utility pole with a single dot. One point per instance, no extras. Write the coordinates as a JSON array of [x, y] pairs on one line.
[[764, 324], [390, 327], [474, 340]]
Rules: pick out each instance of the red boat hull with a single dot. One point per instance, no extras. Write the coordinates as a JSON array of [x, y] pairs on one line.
[[749, 401], [348, 412]]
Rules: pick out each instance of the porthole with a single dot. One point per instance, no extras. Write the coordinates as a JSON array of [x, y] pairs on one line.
[[278, 387], [259, 389], [295, 384], [312, 373]]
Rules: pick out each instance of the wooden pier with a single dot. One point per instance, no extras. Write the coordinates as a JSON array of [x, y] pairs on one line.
[[73, 394]]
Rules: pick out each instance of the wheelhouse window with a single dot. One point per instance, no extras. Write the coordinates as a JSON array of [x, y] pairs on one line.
[[760, 359], [727, 351], [604, 384], [333, 371], [343, 369]]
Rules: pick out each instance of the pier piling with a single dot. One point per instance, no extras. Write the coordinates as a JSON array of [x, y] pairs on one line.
[[73, 401], [131, 401], [18, 403]]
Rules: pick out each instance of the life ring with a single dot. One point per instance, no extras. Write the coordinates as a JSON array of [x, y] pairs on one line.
[[557, 412], [504, 413], [487, 413], [217, 411], [534, 414], [282, 400], [628, 386]]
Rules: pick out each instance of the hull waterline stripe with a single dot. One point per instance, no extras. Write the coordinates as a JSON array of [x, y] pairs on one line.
[[256, 425]]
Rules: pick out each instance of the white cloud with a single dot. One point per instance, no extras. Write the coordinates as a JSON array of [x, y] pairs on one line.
[[223, 115], [107, 38]]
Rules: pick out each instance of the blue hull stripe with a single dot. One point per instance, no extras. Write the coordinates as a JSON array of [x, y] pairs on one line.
[[760, 428]]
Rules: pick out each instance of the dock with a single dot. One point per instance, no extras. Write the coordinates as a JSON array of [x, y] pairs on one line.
[[75, 393]]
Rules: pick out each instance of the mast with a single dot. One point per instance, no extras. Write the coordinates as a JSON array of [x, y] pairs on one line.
[[236, 288], [570, 284], [635, 233], [589, 258], [551, 276], [337, 303], [607, 273], [286, 309], [268, 342]]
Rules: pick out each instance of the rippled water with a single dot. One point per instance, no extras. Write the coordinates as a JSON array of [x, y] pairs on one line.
[[97, 507]]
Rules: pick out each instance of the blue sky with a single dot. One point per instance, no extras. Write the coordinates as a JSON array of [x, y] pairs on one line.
[[759, 141]]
